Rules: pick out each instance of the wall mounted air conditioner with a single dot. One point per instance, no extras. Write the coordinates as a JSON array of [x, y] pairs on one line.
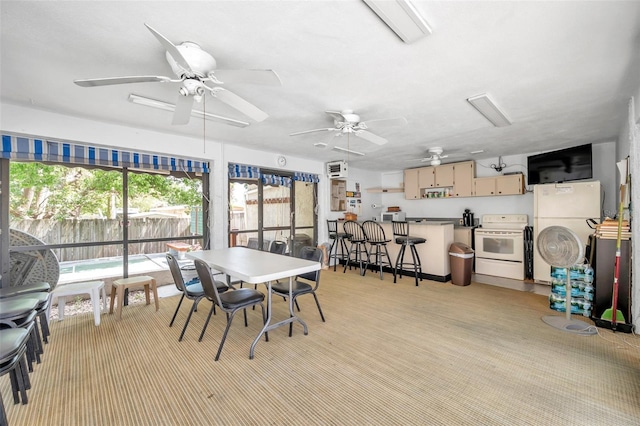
[[337, 169]]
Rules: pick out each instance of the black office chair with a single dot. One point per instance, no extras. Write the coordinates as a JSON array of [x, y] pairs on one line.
[[192, 292], [229, 302], [378, 246], [357, 252], [303, 284], [402, 237], [338, 243], [278, 247]]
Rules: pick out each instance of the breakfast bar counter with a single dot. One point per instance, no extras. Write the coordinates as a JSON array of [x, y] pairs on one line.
[[434, 254]]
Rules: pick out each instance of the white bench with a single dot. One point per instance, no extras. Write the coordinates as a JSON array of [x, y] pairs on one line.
[[90, 287]]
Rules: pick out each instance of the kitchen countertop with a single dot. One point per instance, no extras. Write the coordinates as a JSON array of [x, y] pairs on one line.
[[453, 220]]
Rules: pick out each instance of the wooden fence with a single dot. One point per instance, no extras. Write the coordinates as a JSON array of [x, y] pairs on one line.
[[73, 231]]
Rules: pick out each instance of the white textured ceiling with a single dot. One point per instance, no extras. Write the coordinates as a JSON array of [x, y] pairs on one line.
[[562, 71]]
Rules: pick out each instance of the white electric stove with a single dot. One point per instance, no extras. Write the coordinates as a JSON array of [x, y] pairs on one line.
[[499, 245]]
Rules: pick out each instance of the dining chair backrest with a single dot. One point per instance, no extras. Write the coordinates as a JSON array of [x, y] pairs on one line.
[[332, 227], [354, 231], [278, 247], [252, 243], [207, 281], [400, 228], [176, 273], [373, 231], [313, 254]]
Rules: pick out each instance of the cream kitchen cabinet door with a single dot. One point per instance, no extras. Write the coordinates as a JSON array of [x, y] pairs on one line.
[[411, 187], [444, 175], [463, 174]]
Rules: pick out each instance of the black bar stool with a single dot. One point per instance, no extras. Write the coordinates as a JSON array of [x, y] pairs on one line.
[[401, 235], [378, 244], [337, 243], [358, 245]]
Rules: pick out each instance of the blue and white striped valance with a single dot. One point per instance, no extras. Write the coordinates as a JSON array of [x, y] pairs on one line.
[[306, 177], [252, 172], [243, 171], [269, 179], [19, 147]]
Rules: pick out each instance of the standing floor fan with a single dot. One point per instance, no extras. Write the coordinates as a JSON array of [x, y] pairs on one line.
[[561, 247]]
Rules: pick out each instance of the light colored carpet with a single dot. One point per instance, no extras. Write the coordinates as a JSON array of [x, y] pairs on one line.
[[388, 354]]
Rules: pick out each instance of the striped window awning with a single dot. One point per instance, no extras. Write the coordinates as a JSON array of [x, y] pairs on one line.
[[271, 179], [306, 177], [243, 171], [30, 148], [237, 171]]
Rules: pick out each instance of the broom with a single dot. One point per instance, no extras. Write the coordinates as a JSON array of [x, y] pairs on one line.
[[608, 314]]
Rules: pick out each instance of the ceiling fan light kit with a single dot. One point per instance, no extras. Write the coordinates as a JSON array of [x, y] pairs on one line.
[[402, 17], [435, 156], [489, 110]]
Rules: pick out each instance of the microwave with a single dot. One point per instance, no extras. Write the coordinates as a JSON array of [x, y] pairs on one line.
[[395, 216]]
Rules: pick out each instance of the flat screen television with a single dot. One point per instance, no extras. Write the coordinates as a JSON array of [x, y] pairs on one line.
[[560, 166]]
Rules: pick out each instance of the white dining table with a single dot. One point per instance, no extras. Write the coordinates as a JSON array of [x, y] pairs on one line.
[[259, 267]]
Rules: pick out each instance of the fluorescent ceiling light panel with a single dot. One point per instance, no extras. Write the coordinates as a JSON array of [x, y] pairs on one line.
[[402, 17], [489, 109], [339, 148], [154, 103]]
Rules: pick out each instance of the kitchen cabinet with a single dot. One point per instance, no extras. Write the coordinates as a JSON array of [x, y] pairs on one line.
[[463, 174], [510, 184], [411, 187], [463, 235], [444, 175], [499, 185], [484, 186], [426, 177], [338, 195]]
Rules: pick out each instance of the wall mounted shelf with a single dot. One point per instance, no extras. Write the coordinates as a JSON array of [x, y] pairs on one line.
[[389, 190]]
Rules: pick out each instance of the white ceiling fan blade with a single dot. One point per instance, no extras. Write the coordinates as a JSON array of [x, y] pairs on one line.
[[264, 77], [240, 104], [92, 82], [366, 135], [385, 122], [184, 104], [313, 131], [171, 49], [336, 115]]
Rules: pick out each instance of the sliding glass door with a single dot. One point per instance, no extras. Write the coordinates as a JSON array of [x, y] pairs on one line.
[[272, 208]]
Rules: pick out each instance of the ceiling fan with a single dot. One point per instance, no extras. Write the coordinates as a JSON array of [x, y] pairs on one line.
[[196, 71], [435, 156], [346, 122]]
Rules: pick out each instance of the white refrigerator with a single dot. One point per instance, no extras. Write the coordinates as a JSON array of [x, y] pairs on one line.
[[563, 204]]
